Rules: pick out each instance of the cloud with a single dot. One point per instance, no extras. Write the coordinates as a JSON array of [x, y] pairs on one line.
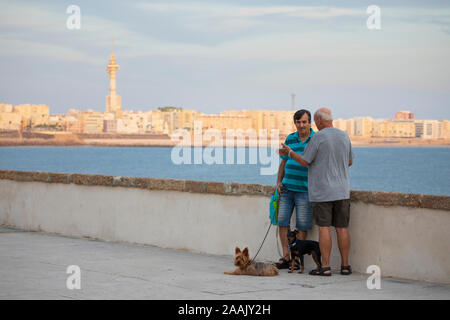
[[238, 11], [312, 12], [229, 21], [265, 48], [36, 49]]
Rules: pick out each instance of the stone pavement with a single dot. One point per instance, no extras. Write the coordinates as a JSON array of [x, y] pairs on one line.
[[33, 265]]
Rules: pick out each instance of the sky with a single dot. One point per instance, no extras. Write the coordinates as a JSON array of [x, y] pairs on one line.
[[213, 56]]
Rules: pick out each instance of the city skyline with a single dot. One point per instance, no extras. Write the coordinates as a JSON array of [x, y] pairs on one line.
[[230, 56]]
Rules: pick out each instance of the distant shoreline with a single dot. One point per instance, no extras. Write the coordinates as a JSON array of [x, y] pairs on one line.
[[72, 142], [39, 138]]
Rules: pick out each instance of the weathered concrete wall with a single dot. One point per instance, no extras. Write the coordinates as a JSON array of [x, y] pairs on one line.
[[405, 235]]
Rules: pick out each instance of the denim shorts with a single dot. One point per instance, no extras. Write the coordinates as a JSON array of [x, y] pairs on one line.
[[303, 209]]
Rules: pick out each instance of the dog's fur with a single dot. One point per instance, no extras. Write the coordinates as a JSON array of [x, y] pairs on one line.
[[246, 267], [300, 248]]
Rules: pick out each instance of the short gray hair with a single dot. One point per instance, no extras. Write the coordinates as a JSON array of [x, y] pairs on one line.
[[324, 115]]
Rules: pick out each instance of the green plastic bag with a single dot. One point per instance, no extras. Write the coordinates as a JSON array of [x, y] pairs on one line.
[[274, 202]]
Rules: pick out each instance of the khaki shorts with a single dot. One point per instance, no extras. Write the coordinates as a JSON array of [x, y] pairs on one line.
[[332, 213]]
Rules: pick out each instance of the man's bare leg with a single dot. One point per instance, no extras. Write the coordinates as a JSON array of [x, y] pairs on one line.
[[284, 242], [343, 238], [301, 235], [325, 246]]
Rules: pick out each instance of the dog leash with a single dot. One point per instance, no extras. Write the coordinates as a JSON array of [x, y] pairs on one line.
[[270, 225]]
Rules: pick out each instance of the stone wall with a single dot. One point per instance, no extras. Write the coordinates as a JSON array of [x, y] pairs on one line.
[[404, 234]]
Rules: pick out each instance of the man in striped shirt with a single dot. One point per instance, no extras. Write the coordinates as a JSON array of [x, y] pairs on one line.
[[292, 184]]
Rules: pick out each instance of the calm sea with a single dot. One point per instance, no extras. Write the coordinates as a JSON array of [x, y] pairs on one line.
[[407, 169]]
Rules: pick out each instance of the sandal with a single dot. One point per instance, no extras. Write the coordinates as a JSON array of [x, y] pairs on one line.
[[283, 264], [348, 270], [321, 272]]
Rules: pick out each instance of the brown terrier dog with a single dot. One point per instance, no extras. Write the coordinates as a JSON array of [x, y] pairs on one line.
[[246, 267]]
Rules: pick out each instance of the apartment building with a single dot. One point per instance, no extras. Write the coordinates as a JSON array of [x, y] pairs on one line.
[[429, 129]]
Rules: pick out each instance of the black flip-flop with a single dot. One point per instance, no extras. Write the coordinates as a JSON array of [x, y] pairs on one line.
[[282, 265], [321, 272], [346, 268]]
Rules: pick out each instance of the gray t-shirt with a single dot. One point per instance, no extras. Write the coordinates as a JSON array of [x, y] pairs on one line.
[[328, 152]]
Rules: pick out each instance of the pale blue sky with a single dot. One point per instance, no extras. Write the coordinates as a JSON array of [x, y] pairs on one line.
[[213, 56]]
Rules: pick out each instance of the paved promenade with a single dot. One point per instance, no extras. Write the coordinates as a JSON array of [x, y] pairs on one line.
[[33, 265]]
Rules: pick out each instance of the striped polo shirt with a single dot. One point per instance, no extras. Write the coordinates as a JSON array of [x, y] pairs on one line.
[[295, 175]]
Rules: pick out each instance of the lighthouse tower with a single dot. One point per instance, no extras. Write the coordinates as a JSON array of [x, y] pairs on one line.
[[113, 100]]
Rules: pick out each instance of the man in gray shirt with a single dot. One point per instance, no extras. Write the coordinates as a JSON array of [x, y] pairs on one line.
[[328, 155]]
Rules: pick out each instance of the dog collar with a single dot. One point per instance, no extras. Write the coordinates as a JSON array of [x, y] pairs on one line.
[[293, 244]]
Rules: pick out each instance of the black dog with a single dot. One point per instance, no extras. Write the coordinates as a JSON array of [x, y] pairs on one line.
[[299, 248]]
